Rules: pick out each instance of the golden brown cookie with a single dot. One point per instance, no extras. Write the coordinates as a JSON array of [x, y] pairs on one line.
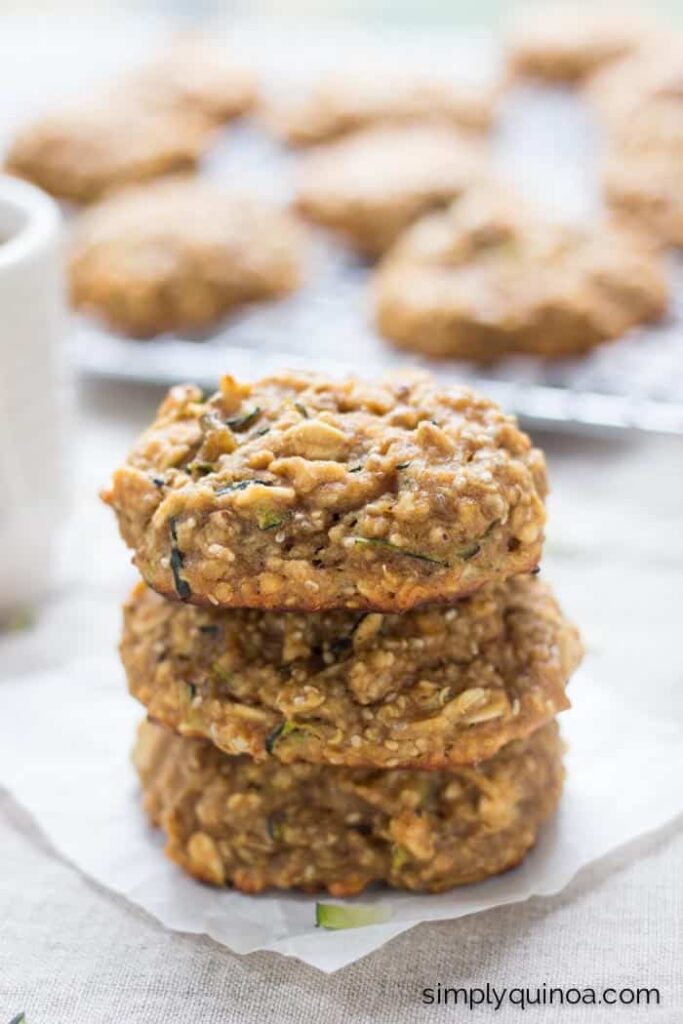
[[179, 254], [85, 151], [347, 101], [230, 821], [629, 87], [646, 192], [303, 493], [567, 43], [642, 173], [488, 277], [640, 103], [433, 688], [195, 75], [370, 186]]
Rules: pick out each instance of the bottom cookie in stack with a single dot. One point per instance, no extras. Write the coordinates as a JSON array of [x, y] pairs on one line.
[[231, 821]]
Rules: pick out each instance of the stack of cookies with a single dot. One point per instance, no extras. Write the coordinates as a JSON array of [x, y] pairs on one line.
[[350, 667]]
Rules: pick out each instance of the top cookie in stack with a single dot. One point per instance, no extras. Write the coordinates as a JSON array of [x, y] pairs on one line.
[[301, 494]]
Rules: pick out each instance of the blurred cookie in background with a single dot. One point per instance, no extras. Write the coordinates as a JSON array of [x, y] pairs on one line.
[[567, 43], [643, 171], [370, 186], [491, 276], [646, 192], [346, 101], [639, 101], [196, 75], [651, 75], [85, 150], [179, 254]]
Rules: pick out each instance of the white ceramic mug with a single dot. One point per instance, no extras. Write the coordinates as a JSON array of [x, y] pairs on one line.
[[31, 391]]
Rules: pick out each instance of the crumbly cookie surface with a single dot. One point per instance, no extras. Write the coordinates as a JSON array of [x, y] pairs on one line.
[[345, 102], [370, 186], [567, 43], [85, 151], [302, 493], [196, 75], [488, 277], [229, 821], [429, 689], [179, 254]]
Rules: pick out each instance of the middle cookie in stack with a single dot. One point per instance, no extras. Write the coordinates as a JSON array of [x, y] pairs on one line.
[[391, 688], [432, 688]]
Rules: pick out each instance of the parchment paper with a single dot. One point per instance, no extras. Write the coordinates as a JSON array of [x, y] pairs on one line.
[[65, 738]]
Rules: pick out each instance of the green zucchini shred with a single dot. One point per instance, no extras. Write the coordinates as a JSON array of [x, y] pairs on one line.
[[335, 916], [243, 422], [241, 485], [399, 856], [201, 468], [182, 587], [275, 828], [286, 728], [472, 549], [268, 519], [469, 551], [380, 542], [338, 646]]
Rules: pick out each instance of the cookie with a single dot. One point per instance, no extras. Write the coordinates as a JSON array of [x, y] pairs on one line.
[[642, 171], [559, 43], [629, 87], [197, 76], [347, 101], [88, 150], [230, 821], [639, 101], [370, 186], [303, 493], [433, 688], [488, 277], [646, 193], [179, 254]]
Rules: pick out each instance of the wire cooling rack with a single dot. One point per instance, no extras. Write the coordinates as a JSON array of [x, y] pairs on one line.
[[546, 144]]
